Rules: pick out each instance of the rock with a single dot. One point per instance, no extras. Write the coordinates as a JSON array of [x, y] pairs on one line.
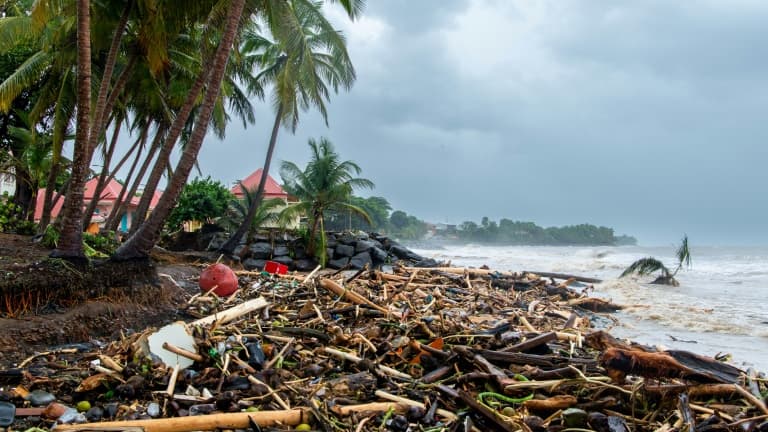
[[363, 246], [405, 253], [261, 250], [254, 264], [94, 414], [281, 250], [201, 409], [338, 263], [299, 252], [574, 418], [110, 409], [72, 416], [378, 255], [426, 262], [286, 260], [40, 398], [305, 264], [360, 260], [330, 254], [344, 250], [346, 238], [153, 409]]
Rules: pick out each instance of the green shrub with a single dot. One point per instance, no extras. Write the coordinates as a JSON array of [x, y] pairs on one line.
[[104, 242], [10, 222]]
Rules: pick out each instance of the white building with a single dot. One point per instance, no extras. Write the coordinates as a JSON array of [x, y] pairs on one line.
[[7, 182]]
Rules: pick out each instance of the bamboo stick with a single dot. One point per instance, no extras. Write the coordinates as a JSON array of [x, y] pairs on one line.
[[233, 313], [239, 420]]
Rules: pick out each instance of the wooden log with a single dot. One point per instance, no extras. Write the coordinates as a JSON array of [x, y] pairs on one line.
[[372, 407], [239, 420], [667, 364], [551, 404], [352, 296], [564, 276], [533, 342], [234, 312]]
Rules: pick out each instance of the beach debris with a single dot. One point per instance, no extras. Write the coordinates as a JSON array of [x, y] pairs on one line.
[[220, 279], [412, 348]]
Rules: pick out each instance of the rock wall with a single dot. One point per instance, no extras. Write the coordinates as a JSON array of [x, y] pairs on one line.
[[345, 250]]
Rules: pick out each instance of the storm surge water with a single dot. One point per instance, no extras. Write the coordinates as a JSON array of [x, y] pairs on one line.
[[720, 306]]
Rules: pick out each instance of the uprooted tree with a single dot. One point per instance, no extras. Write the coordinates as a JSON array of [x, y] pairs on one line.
[[649, 265]]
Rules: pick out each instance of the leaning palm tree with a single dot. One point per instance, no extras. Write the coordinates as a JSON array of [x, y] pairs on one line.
[[325, 184], [239, 208], [648, 265], [307, 59]]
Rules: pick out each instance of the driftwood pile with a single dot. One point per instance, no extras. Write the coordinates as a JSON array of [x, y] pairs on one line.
[[419, 349]]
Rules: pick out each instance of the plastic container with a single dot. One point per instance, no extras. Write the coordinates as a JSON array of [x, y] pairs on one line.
[[275, 267], [219, 278]]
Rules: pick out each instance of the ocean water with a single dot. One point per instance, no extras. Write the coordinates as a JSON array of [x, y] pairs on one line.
[[720, 307]]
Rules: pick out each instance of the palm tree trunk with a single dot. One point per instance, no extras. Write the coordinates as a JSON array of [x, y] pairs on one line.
[[45, 218], [142, 241], [120, 204], [244, 227], [170, 141], [71, 239], [98, 124], [103, 176]]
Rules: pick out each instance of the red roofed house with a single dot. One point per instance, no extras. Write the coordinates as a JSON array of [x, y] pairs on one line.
[[272, 189], [105, 206]]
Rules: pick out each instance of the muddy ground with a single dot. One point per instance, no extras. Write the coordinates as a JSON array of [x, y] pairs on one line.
[[95, 319]]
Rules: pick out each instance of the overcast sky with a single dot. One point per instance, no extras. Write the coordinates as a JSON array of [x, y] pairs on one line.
[[646, 116]]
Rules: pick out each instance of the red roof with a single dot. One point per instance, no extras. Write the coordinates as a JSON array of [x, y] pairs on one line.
[[41, 201], [271, 188], [110, 193]]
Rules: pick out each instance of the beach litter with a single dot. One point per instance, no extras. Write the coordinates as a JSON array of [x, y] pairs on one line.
[[412, 349]]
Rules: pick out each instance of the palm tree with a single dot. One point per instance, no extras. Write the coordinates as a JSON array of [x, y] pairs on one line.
[[141, 242], [325, 184], [307, 57], [239, 209], [648, 265]]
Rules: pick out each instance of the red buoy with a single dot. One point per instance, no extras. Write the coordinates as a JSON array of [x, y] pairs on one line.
[[219, 278]]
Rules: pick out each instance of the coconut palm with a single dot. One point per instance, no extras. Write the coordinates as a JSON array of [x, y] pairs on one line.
[[325, 184], [648, 265], [239, 209], [306, 60]]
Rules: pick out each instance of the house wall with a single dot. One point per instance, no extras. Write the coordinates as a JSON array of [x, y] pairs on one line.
[[7, 183]]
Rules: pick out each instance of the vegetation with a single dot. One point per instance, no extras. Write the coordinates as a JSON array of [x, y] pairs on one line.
[[510, 232], [238, 212], [325, 184], [649, 265], [201, 200], [11, 220], [165, 72], [301, 65]]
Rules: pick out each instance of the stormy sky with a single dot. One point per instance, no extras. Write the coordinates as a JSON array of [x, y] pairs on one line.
[[646, 116]]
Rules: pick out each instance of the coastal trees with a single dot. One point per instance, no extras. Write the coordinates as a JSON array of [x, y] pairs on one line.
[[238, 210], [200, 200], [306, 58], [648, 265], [326, 183]]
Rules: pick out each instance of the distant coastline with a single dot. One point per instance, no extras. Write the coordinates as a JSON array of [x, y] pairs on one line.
[[515, 233]]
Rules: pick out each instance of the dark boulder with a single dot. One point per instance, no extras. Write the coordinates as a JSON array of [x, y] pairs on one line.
[[360, 260], [261, 250], [405, 253], [338, 263], [344, 250], [254, 264], [299, 251], [378, 255], [305, 264], [280, 250], [286, 260], [364, 246]]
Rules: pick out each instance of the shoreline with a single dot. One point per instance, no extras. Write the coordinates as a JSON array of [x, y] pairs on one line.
[[442, 334]]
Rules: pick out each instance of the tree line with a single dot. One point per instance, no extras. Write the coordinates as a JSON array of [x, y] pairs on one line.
[[511, 232]]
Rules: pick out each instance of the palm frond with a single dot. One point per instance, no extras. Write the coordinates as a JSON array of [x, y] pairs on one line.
[[683, 254], [645, 266]]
